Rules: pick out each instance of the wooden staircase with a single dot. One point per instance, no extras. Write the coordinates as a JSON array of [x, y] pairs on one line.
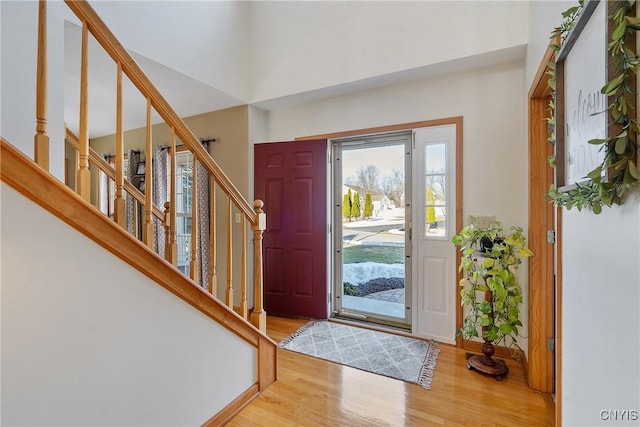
[[33, 180]]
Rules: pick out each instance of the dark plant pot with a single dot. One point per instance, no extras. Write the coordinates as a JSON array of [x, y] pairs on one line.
[[486, 244]]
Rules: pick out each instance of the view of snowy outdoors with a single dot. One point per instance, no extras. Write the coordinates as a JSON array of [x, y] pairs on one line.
[[373, 215], [373, 220]]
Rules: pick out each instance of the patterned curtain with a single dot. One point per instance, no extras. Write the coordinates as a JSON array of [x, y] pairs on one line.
[[130, 206], [159, 194], [204, 253]]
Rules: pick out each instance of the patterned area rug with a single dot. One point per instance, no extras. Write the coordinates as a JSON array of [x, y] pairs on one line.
[[394, 356]]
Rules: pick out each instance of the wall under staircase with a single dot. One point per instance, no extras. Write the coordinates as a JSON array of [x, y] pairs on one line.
[[89, 340]]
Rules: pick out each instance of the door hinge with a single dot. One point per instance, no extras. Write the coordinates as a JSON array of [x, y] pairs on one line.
[[551, 344], [551, 236]]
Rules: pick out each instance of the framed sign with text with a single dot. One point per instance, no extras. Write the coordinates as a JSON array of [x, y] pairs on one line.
[[581, 109]]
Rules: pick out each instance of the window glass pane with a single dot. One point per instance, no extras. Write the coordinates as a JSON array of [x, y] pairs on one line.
[[184, 181], [184, 195], [435, 221], [435, 158], [435, 184], [436, 190]]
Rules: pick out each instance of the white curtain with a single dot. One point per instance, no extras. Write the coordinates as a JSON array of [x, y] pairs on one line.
[[103, 188]]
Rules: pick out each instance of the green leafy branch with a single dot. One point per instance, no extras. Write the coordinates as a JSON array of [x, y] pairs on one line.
[[621, 146]]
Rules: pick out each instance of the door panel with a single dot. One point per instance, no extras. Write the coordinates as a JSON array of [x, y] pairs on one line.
[[291, 179], [434, 224], [433, 293]]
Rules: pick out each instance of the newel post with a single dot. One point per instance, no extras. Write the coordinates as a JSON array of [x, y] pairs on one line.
[[258, 316], [41, 139]]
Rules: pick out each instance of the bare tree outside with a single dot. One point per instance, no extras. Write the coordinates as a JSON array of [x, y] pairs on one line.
[[393, 186], [367, 179], [437, 184]]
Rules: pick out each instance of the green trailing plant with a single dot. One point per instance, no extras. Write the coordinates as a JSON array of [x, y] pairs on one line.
[[495, 319], [621, 146]]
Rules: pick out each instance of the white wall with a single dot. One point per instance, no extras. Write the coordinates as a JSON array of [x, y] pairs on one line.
[[18, 87], [258, 132], [302, 46], [494, 151], [208, 40], [88, 340], [600, 318], [601, 288], [544, 16]]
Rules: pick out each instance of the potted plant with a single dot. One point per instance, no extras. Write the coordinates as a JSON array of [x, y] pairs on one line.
[[490, 289]]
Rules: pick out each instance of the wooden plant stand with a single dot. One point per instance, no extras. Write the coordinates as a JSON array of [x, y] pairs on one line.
[[486, 364]]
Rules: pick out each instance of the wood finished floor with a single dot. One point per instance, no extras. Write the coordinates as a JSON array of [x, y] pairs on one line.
[[314, 392]]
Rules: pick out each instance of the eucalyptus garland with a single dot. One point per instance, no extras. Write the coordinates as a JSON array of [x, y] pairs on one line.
[[621, 147]]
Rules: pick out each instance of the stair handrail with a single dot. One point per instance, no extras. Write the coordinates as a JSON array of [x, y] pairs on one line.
[[119, 54]]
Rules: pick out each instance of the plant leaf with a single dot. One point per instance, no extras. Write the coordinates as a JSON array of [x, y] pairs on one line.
[[612, 86], [525, 252], [619, 31], [621, 145], [633, 170], [596, 173]]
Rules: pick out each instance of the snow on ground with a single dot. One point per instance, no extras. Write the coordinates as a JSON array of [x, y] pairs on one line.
[[362, 272]]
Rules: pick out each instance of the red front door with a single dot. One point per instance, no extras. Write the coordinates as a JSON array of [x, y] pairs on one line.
[[291, 179]]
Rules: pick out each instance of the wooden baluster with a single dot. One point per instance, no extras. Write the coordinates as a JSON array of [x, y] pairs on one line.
[[194, 268], [229, 294], [147, 231], [77, 153], [243, 272], [41, 139], [119, 203], [167, 231], [213, 275], [172, 245], [258, 316], [84, 175]]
